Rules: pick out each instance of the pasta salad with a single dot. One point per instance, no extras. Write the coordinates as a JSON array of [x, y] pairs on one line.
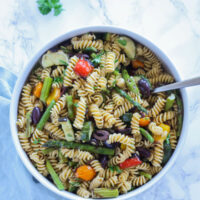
[[88, 120]]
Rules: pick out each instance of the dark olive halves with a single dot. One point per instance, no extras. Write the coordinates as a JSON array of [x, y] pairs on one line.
[[102, 135], [36, 115], [144, 86]]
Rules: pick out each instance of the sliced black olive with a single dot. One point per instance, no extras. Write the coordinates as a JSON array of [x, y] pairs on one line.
[[101, 135], [126, 131], [144, 153], [103, 160], [63, 119]]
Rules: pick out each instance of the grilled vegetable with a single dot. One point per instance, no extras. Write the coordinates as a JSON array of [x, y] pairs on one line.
[[45, 116], [130, 162], [170, 101], [106, 193], [70, 108], [37, 89], [86, 131], [28, 124], [85, 172], [46, 89], [55, 94], [129, 98], [54, 58], [67, 129], [147, 135], [74, 145], [54, 176]]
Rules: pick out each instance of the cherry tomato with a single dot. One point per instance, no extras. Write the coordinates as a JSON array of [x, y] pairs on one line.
[[136, 64], [85, 172], [144, 121], [83, 68]]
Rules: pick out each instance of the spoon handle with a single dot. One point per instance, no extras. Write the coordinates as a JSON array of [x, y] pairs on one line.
[[178, 85]]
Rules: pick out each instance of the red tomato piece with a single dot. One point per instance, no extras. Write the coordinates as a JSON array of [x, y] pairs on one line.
[[130, 162], [83, 68]]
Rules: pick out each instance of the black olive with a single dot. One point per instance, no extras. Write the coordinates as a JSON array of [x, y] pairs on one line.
[[144, 87], [36, 115], [144, 153], [63, 119], [101, 135], [82, 55], [63, 90], [103, 160]]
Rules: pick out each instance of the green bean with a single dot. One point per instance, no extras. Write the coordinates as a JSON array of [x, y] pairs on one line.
[[147, 135], [46, 89]]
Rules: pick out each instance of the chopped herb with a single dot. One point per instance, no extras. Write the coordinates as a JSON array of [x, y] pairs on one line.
[[45, 6], [65, 49], [63, 62], [96, 58], [114, 83], [167, 139], [115, 168], [58, 79], [39, 78], [116, 60], [95, 87], [76, 105], [36, 141], [122, 42]]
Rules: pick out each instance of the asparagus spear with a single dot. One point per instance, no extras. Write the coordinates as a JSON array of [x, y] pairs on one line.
[[147, 135], [45, 116], [46, 89], [74, 145], [130, 82], [54, 176], [180, 115], [129, 98], [106, 193]]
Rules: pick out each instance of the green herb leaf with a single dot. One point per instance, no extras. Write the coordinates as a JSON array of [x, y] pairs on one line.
[[63, 62], [96, 58], [122, 42], [76, 105], [45, 6], [115, 168], [58, 79], [36, 141]]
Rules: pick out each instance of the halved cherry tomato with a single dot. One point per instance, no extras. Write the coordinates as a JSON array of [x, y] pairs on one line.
[[130, 162], [85, 172], [136, 64], [55, 94], [144, 121], [37, 89], [83, 68]]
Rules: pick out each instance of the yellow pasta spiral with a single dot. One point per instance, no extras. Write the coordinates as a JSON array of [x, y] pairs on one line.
[[69, 72], [96, 113], [96, 182], [158, 155], [24, 141], [118, 137], [161, 79], [26, 98], [138, 181], [124, 186], [80, 114], [111, 182], [54, 130], [158, 107], [66, 174], [110, 62], [164, 117], [173, 139], [98, 44], [117, 99], [135, 126], [82, 192], [39, 161], [119, 124], [156, 130]]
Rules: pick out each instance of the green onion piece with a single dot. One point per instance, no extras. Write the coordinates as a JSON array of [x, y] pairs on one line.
[[69, 100], [28, 124], [45, 116], [170, 101], [54, 176], [46, 88], [147, 135], [75, 145], [106, 193], [149, 176]]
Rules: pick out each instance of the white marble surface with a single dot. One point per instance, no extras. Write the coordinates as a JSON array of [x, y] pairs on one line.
[[173, 25]]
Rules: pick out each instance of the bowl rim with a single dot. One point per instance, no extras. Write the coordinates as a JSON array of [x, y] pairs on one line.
[[69, 34]]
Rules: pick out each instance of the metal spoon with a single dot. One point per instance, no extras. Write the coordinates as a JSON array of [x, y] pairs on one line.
[[178, 85]]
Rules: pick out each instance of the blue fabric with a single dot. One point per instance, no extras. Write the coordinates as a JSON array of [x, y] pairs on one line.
[[16, 183]]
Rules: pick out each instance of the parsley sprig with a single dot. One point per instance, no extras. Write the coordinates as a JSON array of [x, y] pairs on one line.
[[45, 6]]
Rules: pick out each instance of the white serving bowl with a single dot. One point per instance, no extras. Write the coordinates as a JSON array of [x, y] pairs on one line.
[[22, 79]]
